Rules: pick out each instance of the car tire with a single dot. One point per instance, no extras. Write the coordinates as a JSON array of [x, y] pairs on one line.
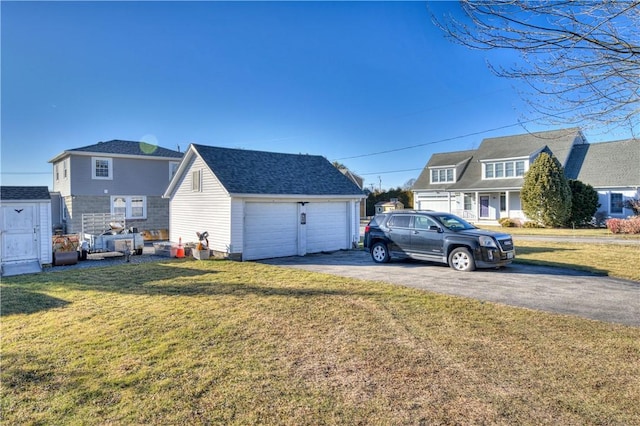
[[380, 253], [462, 260], [138, 252], [82, 255]]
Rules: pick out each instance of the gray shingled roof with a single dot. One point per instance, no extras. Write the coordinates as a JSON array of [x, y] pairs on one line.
[[128, 148], [258, 172], [24, 193], [606, 164], [441, 160], [558, 142]]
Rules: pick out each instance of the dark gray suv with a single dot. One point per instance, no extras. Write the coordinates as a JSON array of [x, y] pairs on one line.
[[436, 237]]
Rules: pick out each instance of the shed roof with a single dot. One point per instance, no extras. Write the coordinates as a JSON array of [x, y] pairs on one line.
[[24, 193], [259, 172]]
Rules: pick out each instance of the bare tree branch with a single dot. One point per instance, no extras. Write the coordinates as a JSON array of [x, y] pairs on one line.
[[584, 55]]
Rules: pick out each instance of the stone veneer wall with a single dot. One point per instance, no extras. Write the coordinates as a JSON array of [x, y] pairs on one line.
[[157, 212]]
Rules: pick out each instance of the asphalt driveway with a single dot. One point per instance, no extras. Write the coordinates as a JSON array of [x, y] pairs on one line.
[[542, 288]]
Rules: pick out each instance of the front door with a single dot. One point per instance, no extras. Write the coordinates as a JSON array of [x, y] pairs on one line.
[[484, 206], [19, 233], [426, 238]]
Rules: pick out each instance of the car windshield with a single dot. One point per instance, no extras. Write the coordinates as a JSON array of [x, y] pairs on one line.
[[454, 222]]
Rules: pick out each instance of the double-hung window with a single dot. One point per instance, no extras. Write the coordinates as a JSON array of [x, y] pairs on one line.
[[101, 168], [616, 203], [131, 206], [442, 175], [504, 169]]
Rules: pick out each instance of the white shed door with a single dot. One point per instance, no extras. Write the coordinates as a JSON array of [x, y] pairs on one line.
[[19, 236], [327, 227], [270, 230]]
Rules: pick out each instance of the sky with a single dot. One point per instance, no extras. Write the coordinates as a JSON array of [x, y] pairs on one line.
[[372, 85]]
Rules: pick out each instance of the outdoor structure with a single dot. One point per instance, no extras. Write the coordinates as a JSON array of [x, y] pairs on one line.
[[114, 177], [483, 185], [386, 206], [25, 233], [358, 180], [257, 205]]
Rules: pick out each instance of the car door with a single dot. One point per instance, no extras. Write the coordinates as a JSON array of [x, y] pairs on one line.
[[426, 236], [399, 233]]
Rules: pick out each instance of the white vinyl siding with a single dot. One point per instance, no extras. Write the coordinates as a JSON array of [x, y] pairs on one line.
[[209, 210]]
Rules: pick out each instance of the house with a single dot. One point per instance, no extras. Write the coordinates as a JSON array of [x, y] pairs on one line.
[[483, 185], [114, 177], [25, 229], [387, 206], [358, 180], [257, 205]]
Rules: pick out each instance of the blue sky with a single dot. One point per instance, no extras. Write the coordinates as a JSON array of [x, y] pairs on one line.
[[345, 80]]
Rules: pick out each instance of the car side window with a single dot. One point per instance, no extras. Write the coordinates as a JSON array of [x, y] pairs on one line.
[[423, 222], [399, 221]]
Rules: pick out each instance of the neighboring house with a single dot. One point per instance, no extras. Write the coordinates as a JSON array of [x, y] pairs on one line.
[[25, 229], [484, 184], [358, 180], [115, 177], [387, 206], [257, 205]]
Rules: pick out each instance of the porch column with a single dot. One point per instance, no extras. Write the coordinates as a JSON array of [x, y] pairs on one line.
[[449, 200], [506, 200], [477, 205]]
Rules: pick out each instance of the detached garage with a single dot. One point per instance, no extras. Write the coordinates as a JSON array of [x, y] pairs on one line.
[[25, 233], [258, 205]]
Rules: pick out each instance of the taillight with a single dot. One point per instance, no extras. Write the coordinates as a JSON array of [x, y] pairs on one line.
[[366, 228]]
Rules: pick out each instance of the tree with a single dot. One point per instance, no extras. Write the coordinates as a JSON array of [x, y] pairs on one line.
[[585, 55], [545, 194], [584, 203]]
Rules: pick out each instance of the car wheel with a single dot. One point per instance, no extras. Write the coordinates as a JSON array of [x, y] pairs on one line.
[[380, 253], [82, 255], [461, 259], [138, 252]]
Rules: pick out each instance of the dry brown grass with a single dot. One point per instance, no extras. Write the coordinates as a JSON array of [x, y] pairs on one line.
[[187, 342]]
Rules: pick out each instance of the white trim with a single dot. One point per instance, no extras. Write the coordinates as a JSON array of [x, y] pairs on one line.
[[109, 168]]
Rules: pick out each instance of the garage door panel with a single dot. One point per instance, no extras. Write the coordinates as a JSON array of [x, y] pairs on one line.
[[327, 227], [271, 230]]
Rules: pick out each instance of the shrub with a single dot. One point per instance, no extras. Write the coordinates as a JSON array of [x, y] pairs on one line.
[[507, 222], [584, 203], [545, 194], [532, 225], [624, 226], [634, 205]]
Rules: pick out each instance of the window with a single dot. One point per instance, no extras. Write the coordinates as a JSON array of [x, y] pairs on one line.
[[423, 222], [442, 175], [196, 180], [504, 169], [468, 202], [101, 168], [503, 202], [399, 221], [616, 203], [132, 207], [64, 169], [173, 168], [57, 172]]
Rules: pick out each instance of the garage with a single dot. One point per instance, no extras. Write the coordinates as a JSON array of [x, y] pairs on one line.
[[25, 234], [261, 205], [439, 203]]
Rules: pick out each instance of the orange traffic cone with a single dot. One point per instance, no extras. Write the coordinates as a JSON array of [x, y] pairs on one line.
[[180, 251]]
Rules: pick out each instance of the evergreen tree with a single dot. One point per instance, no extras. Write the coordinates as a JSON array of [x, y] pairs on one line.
[[546, 196], [584, 203]]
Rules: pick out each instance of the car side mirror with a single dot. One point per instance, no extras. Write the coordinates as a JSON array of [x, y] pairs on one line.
[[435, 228]]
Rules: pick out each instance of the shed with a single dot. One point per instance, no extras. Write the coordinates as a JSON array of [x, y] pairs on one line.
[[258, 205], [387, 206], [25, 234]]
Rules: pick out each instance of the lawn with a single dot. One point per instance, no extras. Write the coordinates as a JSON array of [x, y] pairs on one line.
[[220, 342]]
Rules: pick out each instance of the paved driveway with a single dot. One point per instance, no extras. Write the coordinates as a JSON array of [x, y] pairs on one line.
[[536, 287]]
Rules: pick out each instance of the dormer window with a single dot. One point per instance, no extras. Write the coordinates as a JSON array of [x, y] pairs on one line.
[[442, 175], [504, 169]]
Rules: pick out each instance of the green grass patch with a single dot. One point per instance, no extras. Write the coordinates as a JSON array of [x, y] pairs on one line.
[[615, 260], [189, 342], [562, 232]]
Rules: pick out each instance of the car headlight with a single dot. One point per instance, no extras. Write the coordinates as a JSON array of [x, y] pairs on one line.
[[487, 242]]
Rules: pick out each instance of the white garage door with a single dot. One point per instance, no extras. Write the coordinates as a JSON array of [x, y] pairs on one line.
[[439, 204], [327, 227], [270, 230]]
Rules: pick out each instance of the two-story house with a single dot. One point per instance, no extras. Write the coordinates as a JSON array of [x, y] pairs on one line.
[[117, 176], [483, 185]]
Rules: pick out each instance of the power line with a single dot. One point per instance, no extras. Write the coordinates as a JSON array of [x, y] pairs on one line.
[[389, 171], [435, 142]]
